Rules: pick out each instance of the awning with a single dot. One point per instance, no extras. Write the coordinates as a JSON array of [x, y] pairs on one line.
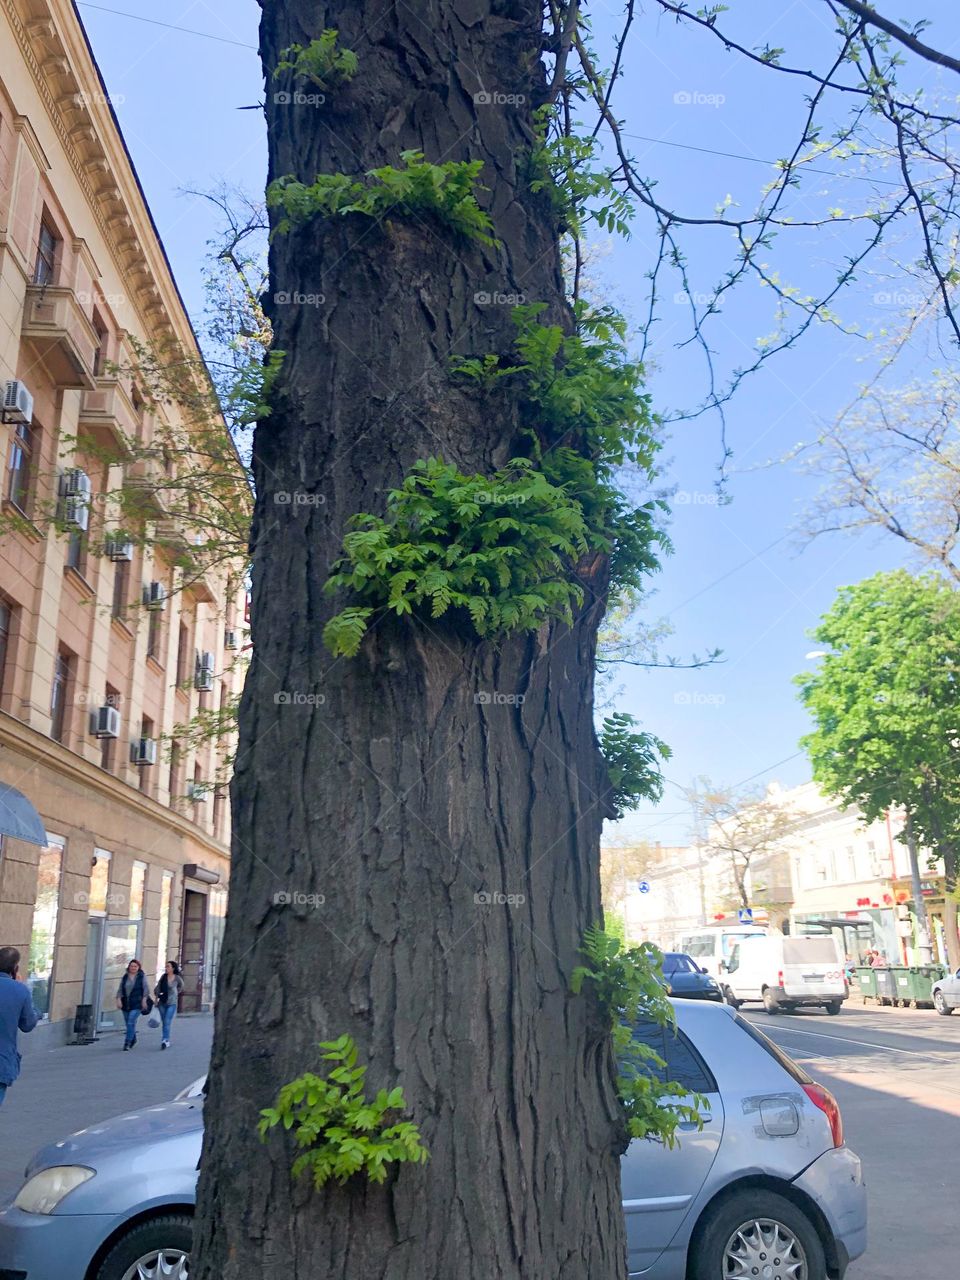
[[18, 818]]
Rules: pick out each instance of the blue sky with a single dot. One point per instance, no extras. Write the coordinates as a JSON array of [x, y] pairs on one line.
[[740, 579]]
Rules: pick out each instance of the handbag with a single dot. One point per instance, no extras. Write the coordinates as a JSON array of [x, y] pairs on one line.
[[154, 1022]]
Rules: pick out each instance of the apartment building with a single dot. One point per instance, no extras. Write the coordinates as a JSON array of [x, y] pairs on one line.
[[110, 635]]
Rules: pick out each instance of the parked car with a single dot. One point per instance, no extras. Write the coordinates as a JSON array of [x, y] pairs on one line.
[[765, 1188], [946, 993], [786, 972], [687, 979], [711, 946]]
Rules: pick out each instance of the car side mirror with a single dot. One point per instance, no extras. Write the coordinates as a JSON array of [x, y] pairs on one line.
[[704, 969]]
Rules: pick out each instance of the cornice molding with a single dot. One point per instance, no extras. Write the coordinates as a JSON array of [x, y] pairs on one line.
[[37, 747], [55, 51]]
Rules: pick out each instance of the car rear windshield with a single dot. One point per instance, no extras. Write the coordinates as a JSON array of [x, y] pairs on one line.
[[809, 951], [774, 1051]]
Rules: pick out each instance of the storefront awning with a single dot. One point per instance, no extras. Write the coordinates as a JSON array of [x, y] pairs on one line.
[[18, 818]]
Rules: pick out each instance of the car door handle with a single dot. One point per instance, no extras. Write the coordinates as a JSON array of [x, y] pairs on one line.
[[688, 1125]]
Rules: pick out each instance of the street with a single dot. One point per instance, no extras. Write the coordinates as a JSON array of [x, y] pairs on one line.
[[62, 1090], [894, 1073]]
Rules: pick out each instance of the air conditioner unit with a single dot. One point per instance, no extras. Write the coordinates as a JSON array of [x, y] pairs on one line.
[[75, 484], [155, 595], [143, 751], [231, 639], [105, 722], [17, 402], [203, 676], [118, 547], [197, 792], [76, 513]]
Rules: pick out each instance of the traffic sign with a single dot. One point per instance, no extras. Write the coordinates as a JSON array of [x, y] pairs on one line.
[[745, 915], [644, 886]]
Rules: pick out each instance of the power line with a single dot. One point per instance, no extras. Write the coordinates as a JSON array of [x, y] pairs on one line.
[[155, 22]]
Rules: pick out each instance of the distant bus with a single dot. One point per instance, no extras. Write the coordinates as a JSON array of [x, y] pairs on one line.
[[710, 946]]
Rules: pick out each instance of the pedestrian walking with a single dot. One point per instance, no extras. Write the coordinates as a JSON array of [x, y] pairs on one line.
[[16, 1014], [168, 993], [133, 997]]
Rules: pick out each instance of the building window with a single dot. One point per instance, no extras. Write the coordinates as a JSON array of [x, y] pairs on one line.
[[46, 265], [6, 650], [121, 588], [144, 770], [100, 354], [99, 895], [183, 649], [154, 634], [113, 698], [77, 551], [218, 811], [43, 935], [60, 694], [166, 897], [174, 780], [138, 883], [23, 452]]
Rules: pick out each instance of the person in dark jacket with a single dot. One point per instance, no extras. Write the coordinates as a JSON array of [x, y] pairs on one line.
[[133, 996], [16, 1014], [168, 992]]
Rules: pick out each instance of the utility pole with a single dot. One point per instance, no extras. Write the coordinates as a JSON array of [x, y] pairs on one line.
[[924, 945], [698, 845]]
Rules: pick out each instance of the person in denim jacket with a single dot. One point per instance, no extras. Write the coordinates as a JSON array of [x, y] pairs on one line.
[[16, 1014]]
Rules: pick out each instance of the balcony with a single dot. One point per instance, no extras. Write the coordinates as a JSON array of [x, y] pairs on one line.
[[108, 418], [58, 330]]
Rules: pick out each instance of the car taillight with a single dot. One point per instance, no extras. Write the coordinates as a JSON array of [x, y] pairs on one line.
[[780, 978], [824, 1099]]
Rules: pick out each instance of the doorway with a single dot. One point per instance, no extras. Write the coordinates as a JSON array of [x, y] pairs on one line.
[[192, 944], [111, 945]]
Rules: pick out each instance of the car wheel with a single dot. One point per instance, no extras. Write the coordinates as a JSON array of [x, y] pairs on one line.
[[156, 1250], [757, 1233], [940, 1004], [834, 1007], [730, 999], [770, 1001]]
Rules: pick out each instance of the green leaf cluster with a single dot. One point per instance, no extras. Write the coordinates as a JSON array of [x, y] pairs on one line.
[[580, 189], [447, 191], [588, 417], [340, 1131], [629, 985], [632, 762], [321, 62], [499, 547]]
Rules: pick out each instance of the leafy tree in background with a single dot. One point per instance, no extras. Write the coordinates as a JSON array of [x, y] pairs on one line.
[[885, 700], [745, 830]]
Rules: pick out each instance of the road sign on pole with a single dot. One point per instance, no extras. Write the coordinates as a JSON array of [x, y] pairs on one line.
[[644, 886], [745, 915]]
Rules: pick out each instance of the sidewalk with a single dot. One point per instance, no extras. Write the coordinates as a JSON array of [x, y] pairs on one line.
[[65, 1089]]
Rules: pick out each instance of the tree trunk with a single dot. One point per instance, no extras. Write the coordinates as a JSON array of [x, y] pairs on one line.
[[949, 854], [416, 847]]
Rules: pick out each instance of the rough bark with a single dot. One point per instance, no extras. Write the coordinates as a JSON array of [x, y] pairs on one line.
[[403, 795]]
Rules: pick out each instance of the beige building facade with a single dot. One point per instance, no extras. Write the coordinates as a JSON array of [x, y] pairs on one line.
[[106, 641]]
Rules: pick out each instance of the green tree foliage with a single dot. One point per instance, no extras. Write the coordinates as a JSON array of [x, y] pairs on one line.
[[629, 986], [886, 705], [322, 61], [340, 1131], [447, 191], [497, 547], [632, 763]]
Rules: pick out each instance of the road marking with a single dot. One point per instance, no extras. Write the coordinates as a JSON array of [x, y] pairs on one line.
[[864, 1044]]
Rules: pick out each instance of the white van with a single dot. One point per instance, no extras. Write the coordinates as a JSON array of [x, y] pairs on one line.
[[711, 947], [783, 972]]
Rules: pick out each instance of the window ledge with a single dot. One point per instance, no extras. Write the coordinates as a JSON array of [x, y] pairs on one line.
[[154, 664], [76, 577], [121, 627], [20, 519]]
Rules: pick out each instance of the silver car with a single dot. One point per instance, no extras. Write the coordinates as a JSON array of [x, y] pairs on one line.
[[766, 1188], [946, 994]]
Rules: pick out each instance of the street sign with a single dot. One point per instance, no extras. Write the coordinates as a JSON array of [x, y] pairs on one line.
[[745, 915], [644, 886]]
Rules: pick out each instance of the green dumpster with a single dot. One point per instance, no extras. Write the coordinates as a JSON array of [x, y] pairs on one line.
[[920, 980], [886, 986], [867, 981]]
